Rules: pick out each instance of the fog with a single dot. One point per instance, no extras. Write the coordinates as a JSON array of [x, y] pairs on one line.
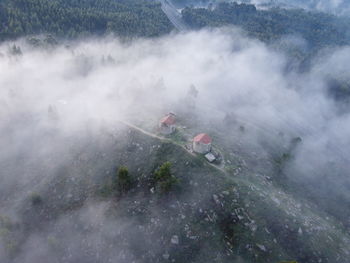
[[53, 100], [337, 7]]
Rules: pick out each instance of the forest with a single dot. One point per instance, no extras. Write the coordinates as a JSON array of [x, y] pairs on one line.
[[318, 29], [79, 18]]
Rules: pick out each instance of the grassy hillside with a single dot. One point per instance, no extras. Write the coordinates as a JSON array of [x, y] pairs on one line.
[[208, 216]]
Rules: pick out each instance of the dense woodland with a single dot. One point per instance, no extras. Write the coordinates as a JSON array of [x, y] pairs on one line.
[[319, 29], [76, 18]]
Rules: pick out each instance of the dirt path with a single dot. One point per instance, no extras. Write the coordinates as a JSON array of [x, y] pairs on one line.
[[220, 167], [130, 125]]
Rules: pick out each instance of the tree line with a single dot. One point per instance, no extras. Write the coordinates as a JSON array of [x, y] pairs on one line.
[[319, 29], [79, 18]]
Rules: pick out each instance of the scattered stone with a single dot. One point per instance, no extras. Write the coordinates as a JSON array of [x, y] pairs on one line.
[[261, 247], [174, 240], [300, 231], [253, 227], [216, 199]]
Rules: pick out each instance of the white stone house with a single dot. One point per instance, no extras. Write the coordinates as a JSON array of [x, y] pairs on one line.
[[167, 124], [202, 143]]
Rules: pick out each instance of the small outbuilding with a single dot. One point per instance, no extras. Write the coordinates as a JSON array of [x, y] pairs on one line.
[[202, 143], [210, 157], [167, 124]]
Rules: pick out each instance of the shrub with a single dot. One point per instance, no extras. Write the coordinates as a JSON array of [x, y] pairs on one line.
[[164, 179], [36, 199], [122, 181]]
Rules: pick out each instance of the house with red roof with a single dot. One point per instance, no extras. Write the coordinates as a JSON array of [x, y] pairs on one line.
[[167, 124], [202, 143]]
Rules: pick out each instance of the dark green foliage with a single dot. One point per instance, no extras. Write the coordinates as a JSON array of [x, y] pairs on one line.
[[33, 41], [296, 140], [165, 181], [50, 40], [79, 18], [15, 50], [318, 29], [294, 144], [36, 199], [178, 137], [122, 182], [281, 160], [339, 88]]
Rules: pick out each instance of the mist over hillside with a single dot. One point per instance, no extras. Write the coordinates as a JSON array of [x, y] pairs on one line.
[[337, 7], [65, 111]]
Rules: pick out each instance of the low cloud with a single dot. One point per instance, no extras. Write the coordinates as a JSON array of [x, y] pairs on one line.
[[53, 96]]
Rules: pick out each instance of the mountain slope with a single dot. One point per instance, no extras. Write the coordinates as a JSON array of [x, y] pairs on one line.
[[210, 216]]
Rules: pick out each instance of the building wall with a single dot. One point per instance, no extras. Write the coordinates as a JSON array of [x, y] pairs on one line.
[[166, 129], [201, 147]]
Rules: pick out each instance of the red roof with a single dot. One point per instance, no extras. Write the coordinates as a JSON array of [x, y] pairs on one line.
[[169, 119], [203, 138]]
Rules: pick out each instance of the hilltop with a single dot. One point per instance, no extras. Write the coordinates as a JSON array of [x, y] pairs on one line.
[[108, 111], [208, 215]]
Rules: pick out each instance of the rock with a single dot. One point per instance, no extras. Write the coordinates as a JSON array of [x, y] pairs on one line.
[[253, 227], [300, 231], [261, 247], [174, 240], [216, 199]]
